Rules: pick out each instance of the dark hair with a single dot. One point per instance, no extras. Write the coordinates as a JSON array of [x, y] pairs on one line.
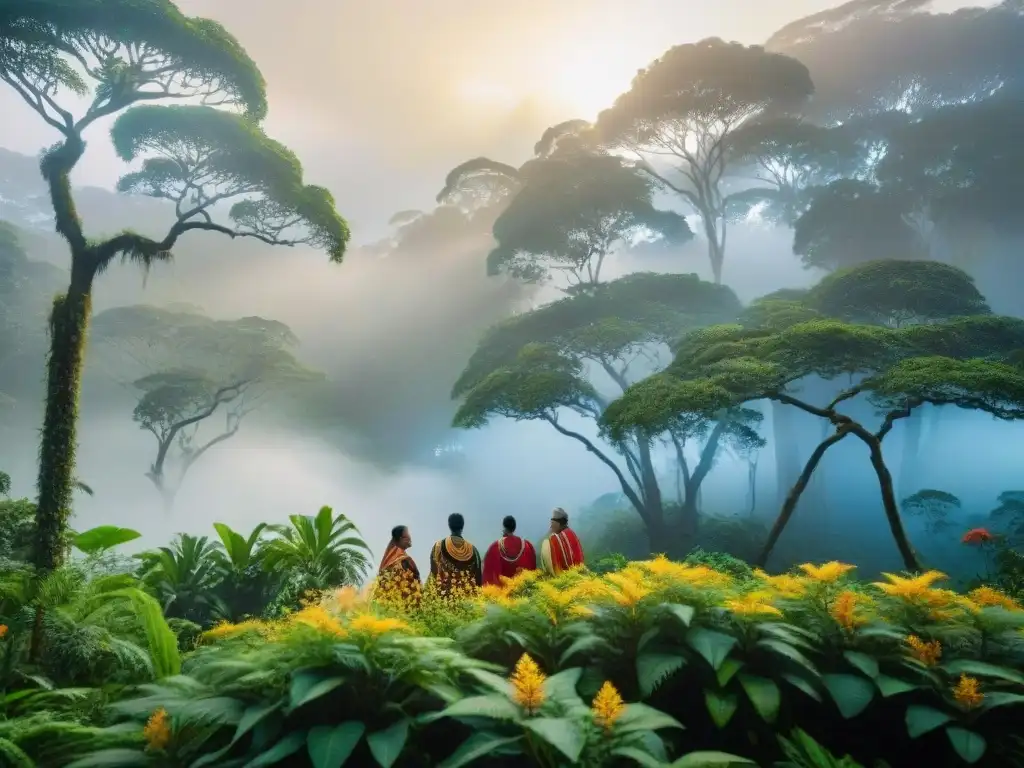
[[397, 532], [456, 523], [509, 523]]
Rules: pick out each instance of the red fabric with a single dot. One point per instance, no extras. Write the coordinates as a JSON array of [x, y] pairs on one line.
[[508, 556], [566, 550]]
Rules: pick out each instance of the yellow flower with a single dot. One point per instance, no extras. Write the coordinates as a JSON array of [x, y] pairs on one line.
[[844, 609], [987, 596], [927, 653], [786, 584], [317, 617], [226, 629], [630, 588], [368, 624], [527, 684], [967, 692], [607, 706], [666, 569], [3, 631], [753, 604], [829, 572], [912, 587], [157, 731], [347, 598]]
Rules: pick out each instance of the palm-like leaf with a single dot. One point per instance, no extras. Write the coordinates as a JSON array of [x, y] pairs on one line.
[[328, 549]]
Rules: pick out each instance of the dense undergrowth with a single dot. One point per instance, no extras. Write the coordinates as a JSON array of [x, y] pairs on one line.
[[656, 663]]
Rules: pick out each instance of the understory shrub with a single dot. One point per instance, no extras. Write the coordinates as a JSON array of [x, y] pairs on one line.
[[657, 663]]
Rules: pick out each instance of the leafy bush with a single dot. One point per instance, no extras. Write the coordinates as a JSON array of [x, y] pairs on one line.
[[900, 672]]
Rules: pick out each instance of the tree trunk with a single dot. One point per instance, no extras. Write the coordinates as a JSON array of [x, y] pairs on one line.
[[69, 322], [784, 443], [691, 500], [892, 511], [911, 450], [793, 497]]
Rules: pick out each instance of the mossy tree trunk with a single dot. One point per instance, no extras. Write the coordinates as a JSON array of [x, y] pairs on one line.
[[69, 322]]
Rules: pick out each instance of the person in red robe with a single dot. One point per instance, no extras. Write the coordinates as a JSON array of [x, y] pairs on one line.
[[508, 555], [561, 548]]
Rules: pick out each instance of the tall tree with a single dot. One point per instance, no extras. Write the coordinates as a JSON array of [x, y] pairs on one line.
[[571, 212], [567, 356], [681, 111], [188, 369], [123, 55], [952, 363], [870, 55]]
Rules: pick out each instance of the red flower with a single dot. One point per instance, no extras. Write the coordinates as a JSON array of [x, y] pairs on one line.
[[977, 536]]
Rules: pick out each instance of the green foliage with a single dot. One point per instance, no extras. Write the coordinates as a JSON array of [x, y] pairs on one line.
[[571, 212], [198, 149], [101, 538], [898, 293]]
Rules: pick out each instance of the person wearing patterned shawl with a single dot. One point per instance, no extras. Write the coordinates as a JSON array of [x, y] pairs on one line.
[[508, 555], [398, 575], [455, 563], [561, 548]]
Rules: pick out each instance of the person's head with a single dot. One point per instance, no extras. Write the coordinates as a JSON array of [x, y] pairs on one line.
[[400, 537], [559, 520], [508, 524], [456, 523]]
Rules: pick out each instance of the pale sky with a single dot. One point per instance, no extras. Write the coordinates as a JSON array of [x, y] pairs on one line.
[[380, 98]]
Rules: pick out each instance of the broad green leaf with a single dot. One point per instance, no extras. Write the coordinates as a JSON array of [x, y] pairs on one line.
[[251, 717], [721, 706], [969, 745], [787, 633], [1001, 699], [804, 685], [286, 747], [586, 643], [386, 746], [493, 681], [713, 646], [983, 669], [764, 694], [494, 706], [862, 662], [479, 745], [561, 733], [920, 720], [103, 537], [727, 671], [641, 717], [639, 757], [330, 747], [702, 759], [652, 669], [851, 693], [893, 686], [308, 686], [562, 685], [111, 758], [684, 613], [787, 651], [12, 756]]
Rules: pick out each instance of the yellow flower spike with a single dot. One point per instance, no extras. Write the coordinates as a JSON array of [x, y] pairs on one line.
[[317, 617], [226, 629], [630, 589], [828, 572], [967, 692], [347, 598], [607, 706], [986, 597], [3, 631], [753, 604], [909, 587], [527, 684], [157, 731], [375, 626], [844, 609], [786, 584], [928, 653]]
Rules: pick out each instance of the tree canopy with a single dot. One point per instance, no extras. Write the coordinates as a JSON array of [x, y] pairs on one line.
[[187, 368], [681, 109], [571, 212]]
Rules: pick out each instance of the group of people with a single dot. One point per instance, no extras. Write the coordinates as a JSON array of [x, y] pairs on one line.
[[453, 559]]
